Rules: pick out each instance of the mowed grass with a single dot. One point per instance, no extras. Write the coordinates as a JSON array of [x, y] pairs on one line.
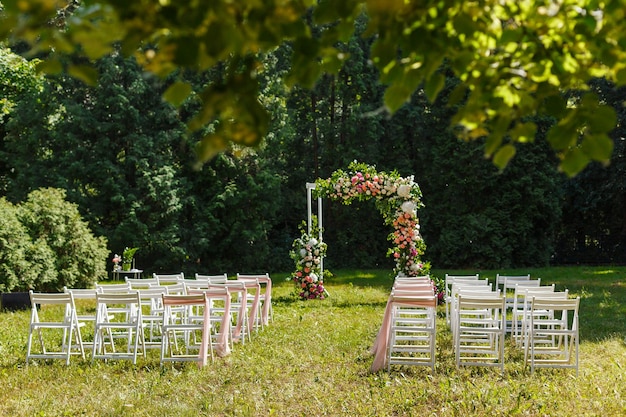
[[314, 360]]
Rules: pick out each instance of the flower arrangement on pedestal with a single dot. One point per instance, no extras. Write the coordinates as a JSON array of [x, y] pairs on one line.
[[307, 253], [127, 258], [116, 262]]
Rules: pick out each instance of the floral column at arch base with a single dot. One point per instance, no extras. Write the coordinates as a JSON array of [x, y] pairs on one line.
[[397, 199], [307, 253]]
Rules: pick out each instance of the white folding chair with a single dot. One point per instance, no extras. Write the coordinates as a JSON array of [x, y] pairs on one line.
[[213, 279], [182, 332], [412, 329], [519, 298], [552, 335], [265, 301], [449, 280], [85, 304], [169, 279], [113, 288], [510, 283], [152, 315], [139, 283], [546, 291], [119, 317], [53, 315], [238, 310], [501, 281], [477, 286], [479, 336]]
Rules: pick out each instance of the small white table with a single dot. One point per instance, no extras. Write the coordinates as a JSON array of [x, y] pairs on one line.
[[132, 273]]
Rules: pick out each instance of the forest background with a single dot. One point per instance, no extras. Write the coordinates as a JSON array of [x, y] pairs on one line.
[[124, 156]]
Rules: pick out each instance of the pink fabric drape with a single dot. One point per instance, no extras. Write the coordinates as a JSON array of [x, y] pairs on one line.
[[401, 298], [267, 304], [202, 298], [242, 287]]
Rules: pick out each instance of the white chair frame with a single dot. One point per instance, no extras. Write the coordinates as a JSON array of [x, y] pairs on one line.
[[68, 326]]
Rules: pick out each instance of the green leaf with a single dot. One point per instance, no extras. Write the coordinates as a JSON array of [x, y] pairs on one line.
[[555, 105], [621, 76], [49, 66], [187, 51], [574, 160], [598, 147], [457, 95], [524, 132], [434, 85], [602, 119], [396, 96], [177, 93], [209, 146], [503, 156], [464, 24], [85, 73], [562, 136]]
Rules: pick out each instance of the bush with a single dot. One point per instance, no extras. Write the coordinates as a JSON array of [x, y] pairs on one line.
[[45, 245]]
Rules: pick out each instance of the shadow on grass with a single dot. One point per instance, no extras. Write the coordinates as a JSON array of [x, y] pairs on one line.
[[602, 291]]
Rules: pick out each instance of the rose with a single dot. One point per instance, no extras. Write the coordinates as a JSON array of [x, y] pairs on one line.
[[313, 242], [408, 206], [404, 191]]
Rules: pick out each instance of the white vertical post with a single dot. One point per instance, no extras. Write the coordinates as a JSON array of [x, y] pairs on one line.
[[310, 186]]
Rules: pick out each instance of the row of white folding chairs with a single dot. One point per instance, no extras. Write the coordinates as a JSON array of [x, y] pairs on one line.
[[178, 284], [151, 290], [506, 283], [219, 279], [547, 326], [118, 316], [412, 332], [548, 337]]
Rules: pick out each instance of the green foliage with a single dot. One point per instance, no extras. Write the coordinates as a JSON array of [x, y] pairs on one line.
[[594, 201], [79, 257], [513, 59], [22, 262], [45, 245]]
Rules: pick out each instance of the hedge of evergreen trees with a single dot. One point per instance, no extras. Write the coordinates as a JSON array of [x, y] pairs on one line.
[[123, 156]]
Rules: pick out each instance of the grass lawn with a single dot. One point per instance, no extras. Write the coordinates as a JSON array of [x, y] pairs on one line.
[[314, 360]]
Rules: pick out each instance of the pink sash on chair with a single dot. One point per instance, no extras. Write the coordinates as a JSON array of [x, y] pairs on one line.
[[222, 347], [379, 349]]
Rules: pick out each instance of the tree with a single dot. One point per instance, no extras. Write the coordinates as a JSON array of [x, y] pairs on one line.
[[513, 58]]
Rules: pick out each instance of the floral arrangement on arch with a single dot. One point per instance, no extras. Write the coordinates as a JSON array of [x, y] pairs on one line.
[[397, 199], [307, 253]]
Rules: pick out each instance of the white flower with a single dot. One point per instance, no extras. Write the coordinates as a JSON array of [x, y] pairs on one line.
[[408, 206], [302, 253], [404, 191], [316, 261], [313, 242], [313, 277], [414, 267]]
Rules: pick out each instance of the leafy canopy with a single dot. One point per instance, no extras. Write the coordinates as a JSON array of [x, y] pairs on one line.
[[514, 59]]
